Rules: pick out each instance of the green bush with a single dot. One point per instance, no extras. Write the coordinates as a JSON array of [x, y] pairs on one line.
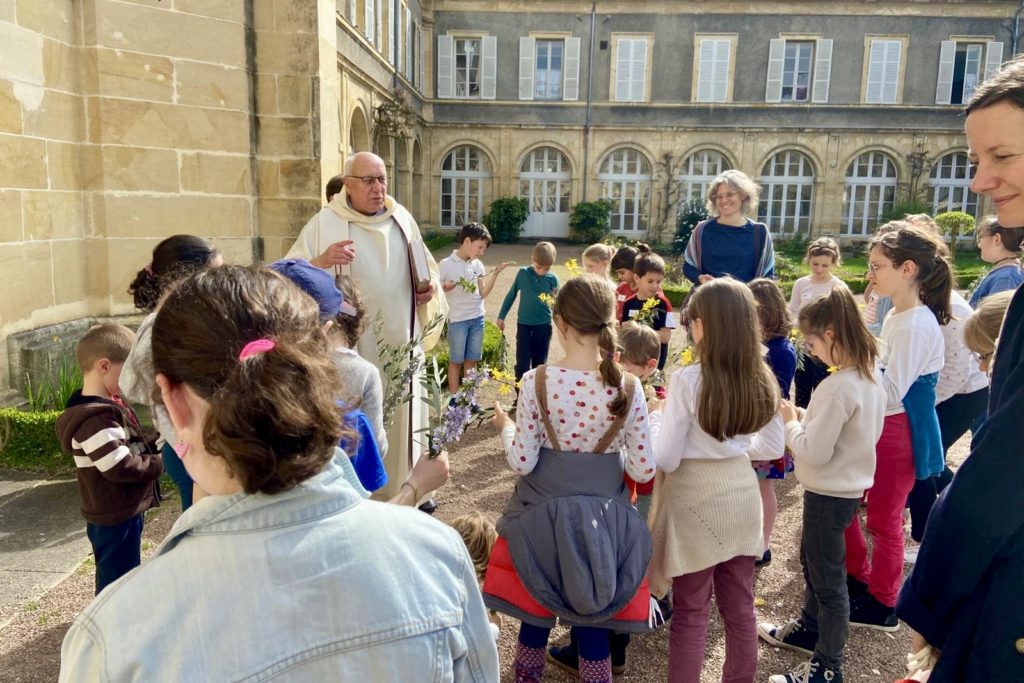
[[505, 218], [955, 224], [435, 240], [491, 355], [691, 212], [675, 293], [903, 208], [28, 441], [591, 221]]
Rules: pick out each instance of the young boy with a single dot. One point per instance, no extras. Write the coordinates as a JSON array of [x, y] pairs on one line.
[[117, 468], [466, 286], [533, 333], [649, 271], [639, 349]]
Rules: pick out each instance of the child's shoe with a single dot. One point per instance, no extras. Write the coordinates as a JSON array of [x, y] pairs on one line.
[[565, 657], [813, 671], [792, 636], [868, 612], [619, 643], [765, 559], [855, 588]]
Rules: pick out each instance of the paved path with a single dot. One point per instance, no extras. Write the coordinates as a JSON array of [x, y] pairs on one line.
[[42, 536]]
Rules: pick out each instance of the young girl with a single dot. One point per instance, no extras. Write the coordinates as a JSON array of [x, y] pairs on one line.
[[822, 256], [1001, 247], [720, 413], [909, 267], [597, 258], [982, 329], [622, 264], [834, 449], [570, 544], [173, 259], [774, 321]]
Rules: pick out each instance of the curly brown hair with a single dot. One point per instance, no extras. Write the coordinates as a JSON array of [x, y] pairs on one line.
[[273, 417], [351, 326], [772, 311]]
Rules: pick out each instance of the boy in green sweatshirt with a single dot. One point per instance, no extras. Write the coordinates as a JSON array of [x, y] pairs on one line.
[[533, 331]]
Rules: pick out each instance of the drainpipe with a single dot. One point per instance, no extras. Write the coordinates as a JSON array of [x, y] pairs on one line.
[[590, 100]]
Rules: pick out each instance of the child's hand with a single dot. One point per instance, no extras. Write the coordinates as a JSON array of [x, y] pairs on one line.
[[503, 266], [788, 411], [705, 278], [500, 324], [501, 418], [447, 285]]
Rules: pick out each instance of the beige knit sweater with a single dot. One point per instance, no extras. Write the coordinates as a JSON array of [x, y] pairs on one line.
[[703, 513]]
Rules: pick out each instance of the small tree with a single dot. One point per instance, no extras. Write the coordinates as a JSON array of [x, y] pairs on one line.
[[505, 218], [591, 221], [955, 224], [691, 212]]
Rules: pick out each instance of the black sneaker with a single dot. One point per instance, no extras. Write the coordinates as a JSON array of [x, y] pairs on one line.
[[430, 507], [618, 644], [565, 657], [792, 636], [868, 612], [813, 671], [856, 588], [765, 559]]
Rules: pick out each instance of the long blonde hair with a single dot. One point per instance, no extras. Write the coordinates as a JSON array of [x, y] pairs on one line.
[[738, 392]]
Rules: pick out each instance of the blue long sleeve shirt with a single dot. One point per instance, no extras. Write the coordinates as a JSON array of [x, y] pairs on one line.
[[532, 311]]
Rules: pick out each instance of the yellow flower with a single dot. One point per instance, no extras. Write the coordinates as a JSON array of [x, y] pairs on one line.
[[546, 299], [833, 369], [687, 357], [649, 305], [573, 267], [505, 380]]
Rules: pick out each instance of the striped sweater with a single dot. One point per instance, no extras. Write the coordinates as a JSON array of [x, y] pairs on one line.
[[117, 468]]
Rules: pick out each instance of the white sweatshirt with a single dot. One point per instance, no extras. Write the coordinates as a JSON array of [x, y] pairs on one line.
[[911, 346]]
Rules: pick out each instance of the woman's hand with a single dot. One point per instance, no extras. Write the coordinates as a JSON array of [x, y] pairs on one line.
[[788, 411], [500, 418], [705, 278], [430, 474]]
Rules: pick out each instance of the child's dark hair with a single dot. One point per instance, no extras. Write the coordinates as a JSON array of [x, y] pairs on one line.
[[273, 416], [648, 263], [113, 342], [823, 246], [625, 257], [474, 231], [772, 310], [173, 259], [934, 273], [638, 344], [352, 326], [838, 312], [334, 186], [1012, 239], [587, 304]]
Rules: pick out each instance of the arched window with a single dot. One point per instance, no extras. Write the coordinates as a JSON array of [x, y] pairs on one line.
[[625, 179], [696, 173], [463, 174], [870, 190], [545, 181], [950, 185], [787, 182]]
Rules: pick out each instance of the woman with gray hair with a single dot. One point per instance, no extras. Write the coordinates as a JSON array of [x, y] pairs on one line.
[[729, 243]]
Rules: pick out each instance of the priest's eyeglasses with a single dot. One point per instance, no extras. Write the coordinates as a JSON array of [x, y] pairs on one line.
[[369, 180]]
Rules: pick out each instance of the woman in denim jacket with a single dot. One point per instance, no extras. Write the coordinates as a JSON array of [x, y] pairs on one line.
[[291, 573]]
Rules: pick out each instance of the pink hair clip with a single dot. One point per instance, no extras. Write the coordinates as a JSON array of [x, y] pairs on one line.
[[256, 347]]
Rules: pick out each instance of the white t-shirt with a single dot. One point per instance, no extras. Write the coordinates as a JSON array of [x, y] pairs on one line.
[[911, 345], [463, 304], [960, 373], [805, 291]]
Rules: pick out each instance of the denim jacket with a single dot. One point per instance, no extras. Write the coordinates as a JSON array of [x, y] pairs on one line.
[[313, 584]]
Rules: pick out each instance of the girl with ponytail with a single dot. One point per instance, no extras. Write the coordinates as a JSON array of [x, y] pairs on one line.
[[173, 259], [833, 446], [909, 266], [572, 420]]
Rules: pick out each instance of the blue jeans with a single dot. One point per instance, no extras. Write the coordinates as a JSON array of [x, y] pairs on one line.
[[176, 470], [117, 549], [466, 341], [532, 342]]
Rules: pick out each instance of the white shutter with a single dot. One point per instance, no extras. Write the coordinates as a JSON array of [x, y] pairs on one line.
[[883, 72], [623, 58], [419, 64], [891, 75], [445, 66], [822, 70], [713, 70], [527, 47], [723, 49], [993, 58], [944, 87], [410, 46], [638, 72], [368, 18], [571, 70], [392, 45], [489, 78], [776, 59], [352, 12], [379, 34]]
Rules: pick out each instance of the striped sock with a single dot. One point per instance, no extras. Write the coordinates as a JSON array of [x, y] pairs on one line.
[[529, 664], [596, 671]]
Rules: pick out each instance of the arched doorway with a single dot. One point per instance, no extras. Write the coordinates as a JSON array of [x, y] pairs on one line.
[[358, 133], [545, 181]]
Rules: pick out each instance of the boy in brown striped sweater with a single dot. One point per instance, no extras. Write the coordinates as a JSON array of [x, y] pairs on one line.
[[117, 468]]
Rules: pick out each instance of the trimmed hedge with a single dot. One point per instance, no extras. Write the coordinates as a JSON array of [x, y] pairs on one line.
[[28, 441], [436, 240], [675, 293]]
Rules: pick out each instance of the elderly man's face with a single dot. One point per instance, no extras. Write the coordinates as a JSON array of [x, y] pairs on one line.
[[363, 184]]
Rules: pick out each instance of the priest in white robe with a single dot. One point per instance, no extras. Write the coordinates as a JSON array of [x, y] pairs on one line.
[[366, 233]]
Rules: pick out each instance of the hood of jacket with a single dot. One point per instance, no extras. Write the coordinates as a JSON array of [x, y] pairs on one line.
[[80, 408]]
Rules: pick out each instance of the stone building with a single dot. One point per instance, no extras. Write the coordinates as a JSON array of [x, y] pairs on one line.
[[125, 121]]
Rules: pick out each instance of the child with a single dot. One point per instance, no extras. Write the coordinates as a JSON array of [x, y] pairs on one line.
[[466, 287], [622, 264], [982, 329], [720, 413], [822, 256], [649, 271], [774, 321], [479, 535], [173, 259], [572, 420], [834, 449], [596, 259], [1001, 247], [909, 267], [533, 327], [639, 350], [363, 410], [117, 468]]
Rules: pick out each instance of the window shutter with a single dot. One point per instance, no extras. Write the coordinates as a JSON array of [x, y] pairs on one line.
[[876, 69], [638, 72], [352, 12], [379, 33], [445, 66], [776, 57], [368, 17], [527, 47], [419, 64], [489, 71], [822, 70], [891, 74], [705, 75], [410, 46], [623, 58], [392, 45], [993, 59], [944, 87], [571, 70], [883, 72], [721, 71]]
